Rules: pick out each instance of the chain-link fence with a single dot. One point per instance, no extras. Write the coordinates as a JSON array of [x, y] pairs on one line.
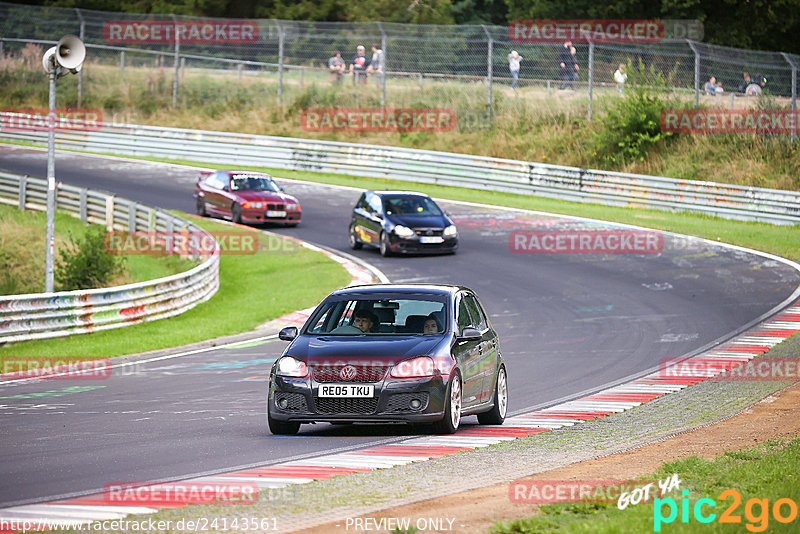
[[459, 67]]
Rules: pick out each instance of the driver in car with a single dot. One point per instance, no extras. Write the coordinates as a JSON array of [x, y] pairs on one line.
[[364, 321], [431, 325]]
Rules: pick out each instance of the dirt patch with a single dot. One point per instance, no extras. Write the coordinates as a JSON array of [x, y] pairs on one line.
[[474, 511]]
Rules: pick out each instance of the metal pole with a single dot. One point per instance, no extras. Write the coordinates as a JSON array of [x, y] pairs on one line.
[[80, 73], [794, 93], [177, 63], [122, 62], [696, 74], [591, 78], [51, 181], [280, 63], [239, 70], [489, 68], [383, 65]]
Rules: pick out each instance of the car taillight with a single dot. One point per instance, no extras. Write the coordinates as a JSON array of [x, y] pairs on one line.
[[415, 368]]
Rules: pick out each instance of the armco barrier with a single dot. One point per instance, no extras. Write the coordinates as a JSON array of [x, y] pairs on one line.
[[426, 166], [47, 315]]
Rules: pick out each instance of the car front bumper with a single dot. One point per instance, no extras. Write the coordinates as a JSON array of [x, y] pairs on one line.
[[399, 245], [391, 401], [260, 216]]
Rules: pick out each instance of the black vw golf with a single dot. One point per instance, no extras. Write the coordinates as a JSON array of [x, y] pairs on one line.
[[390, 353], [400, 222]]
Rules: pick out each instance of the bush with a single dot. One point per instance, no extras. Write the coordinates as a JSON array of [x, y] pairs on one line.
[[86, 264], [631, 127]]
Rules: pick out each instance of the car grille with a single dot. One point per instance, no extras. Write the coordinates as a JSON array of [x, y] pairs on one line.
[[296, 401], [272, 206], [429, 231], [346, 406], [399, 402], [364, 373]]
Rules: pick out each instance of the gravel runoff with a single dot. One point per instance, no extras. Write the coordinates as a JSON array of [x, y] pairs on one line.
[[306, 505]]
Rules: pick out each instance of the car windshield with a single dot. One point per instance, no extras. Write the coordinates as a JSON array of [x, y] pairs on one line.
[[410, 206], [253, 183], [404, 316]]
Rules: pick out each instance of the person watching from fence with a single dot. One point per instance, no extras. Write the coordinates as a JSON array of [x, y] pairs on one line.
[[513, 66], [573, 52], [359, 65], [376, 66], [620, 77], [565, 64], [336, 67]]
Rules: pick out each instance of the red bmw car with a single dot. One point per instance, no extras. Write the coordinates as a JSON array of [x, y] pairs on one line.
[[245, 197]]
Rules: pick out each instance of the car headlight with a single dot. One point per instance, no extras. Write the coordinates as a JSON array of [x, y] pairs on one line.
[[292, 207], [403, 231], [418, 367], [288, 366], [253, 205], [451, 231]]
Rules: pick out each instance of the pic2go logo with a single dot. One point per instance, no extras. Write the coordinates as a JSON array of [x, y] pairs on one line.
[[756, 511]]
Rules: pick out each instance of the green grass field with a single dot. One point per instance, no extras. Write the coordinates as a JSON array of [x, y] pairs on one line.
[[760, 476], [280, 278]]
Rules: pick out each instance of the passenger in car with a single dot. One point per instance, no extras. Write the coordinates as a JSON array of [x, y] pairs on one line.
[[431, 325]]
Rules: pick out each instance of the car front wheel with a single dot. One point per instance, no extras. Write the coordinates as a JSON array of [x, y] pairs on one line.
[[281, 428], [497, 414], [386, 250], [452, 410], [201, 207], [236, 213], [355, 244]]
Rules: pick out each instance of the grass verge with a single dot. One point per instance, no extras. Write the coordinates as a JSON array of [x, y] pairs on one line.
[[761, 476], [22, 251], [281, 277]]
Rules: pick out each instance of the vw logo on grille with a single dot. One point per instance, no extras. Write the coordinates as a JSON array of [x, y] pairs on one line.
[[429, 232], [348, 372]]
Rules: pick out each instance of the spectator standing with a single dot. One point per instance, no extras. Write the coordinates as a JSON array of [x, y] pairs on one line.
[[359, 65], [336, 67], [513, 66], [620, 77], [745, 82], [712, 87], [573, 52], [565, 64], [377, 64]]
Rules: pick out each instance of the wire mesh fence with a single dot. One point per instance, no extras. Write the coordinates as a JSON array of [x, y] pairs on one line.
[[460, 67]]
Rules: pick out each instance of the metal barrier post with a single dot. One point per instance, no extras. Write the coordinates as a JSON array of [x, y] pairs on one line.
[[131, 217], [122, 62], [239, 71], [696, 74], [176, 63], [302, 72], [110, 213], [80, 73], [489, 68], [23, 190], [591, 78], [280, 62], [83, 204], [794, 94]]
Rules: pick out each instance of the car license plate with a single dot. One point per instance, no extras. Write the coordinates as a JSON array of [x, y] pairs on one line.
[[431, 239], [276, 213], [345, 391]]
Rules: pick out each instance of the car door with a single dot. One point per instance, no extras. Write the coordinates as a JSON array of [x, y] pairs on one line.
[[360, 214], [487, 347], [214, 194], [467, 356]]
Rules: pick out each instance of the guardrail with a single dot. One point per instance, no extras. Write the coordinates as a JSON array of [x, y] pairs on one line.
[[426, 166], [47, 315]]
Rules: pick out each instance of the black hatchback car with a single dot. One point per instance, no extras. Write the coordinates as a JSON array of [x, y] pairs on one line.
[[401, 222], [390, 353]]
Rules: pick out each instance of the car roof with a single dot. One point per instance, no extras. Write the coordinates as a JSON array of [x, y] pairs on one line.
[[254, 174], [407, 193], [436, 289]]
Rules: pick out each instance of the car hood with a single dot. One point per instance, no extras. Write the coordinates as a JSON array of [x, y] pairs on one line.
[[264, 196], [389, 350], [436, 221]]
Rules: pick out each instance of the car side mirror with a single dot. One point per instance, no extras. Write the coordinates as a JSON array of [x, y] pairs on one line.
[[470, 334], [288, 333], [225, 188]]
